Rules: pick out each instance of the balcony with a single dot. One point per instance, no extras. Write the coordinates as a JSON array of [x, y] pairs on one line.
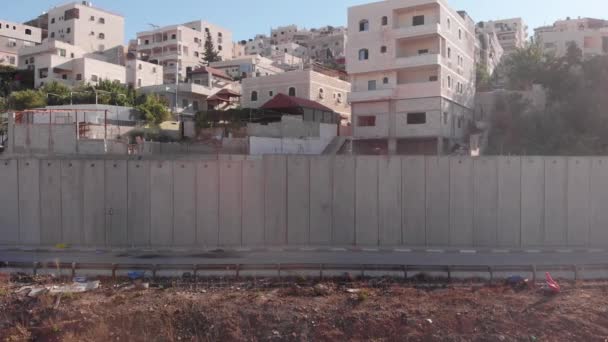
[[416, 31], [417, 61], [402, 92]]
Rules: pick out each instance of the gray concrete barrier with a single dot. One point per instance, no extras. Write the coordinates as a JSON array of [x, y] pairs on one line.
[[299, 201]]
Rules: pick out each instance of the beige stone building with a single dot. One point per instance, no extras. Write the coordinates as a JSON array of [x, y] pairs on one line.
[[143, 74], [90, 28], [590, 35], [512, 33], [13, 37], [182, 45], [488, 51], [307, 84], [412, 70], [248, 66]]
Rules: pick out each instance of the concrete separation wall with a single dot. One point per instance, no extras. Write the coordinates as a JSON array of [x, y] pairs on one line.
[[300, 201]]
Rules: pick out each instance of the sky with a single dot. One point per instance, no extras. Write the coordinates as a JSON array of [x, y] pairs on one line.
[[246, 19]]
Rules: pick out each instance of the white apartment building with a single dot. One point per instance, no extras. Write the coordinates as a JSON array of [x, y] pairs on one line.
[[13, 37], [590, 35], [71, 65], [260, 45], [90, 28], [249, 66], [412, 70], [512, 33], [183, 44], [307, 84], [143, 74], [284, 34]]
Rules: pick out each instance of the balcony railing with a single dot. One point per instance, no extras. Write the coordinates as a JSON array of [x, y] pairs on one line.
[[417, 60], [401, 91], [415, 31]]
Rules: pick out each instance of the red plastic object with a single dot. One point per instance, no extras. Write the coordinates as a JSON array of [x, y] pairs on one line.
[[552, 284]]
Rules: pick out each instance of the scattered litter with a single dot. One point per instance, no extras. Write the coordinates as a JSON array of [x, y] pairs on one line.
[[551, 286], [134, 275], [321, 290], [518, 283], [37, 291], [353, 290], [80, 279], [429, 321], [75, 287]]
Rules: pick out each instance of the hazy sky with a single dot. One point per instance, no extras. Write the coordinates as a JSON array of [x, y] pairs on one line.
[[246, 19]]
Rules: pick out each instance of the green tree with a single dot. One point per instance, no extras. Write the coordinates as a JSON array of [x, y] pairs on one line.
[[56, 93], [27, 99], [210, 55], [483, 78], [525, 67], [154, 110]]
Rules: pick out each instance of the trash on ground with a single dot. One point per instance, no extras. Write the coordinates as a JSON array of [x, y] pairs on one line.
[[517, 282], [353, 290], [80, 279], [75, 287], [133, 275], [551, 285]]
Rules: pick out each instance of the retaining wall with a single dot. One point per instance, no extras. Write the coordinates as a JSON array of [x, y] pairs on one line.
[[341, 201]]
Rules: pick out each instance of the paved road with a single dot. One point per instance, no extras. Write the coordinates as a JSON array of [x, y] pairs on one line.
[[406, 257]]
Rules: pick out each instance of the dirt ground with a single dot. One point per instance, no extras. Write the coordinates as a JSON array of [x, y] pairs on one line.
[[376, 310]]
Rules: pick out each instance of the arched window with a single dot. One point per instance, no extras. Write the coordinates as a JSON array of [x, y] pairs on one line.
[[385, 80], [450, 82], [449, 24], [449, 52], [384, 21], [292, 91], [363, 25], [459, 34], [321, 93], [363, 54], [254, 96]]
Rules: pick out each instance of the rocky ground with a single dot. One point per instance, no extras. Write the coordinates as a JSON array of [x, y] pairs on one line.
[[377, 310]]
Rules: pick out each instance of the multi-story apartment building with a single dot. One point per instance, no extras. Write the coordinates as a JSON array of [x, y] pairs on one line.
[[488, 51], [307, 84], [590, 35], [71, 65], [412, 70], [13, 37], [90, 28], [512, 33], [249, 66], [284, 34], [182, 46]]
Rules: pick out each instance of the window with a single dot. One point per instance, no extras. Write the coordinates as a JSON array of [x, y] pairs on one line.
[[449, 24], [384, 21], [371, 85], [11, 60], [140, 67], [28, 32], [92, 18], [418, 20], [366, 121], [459, 122], [154, 70], [385, 80], [185, 103], [416, 118], [68, 30], [102, 36], [52, 34], [52, 20], [321, 95], [363, 25], [219, 34], [423, 52], [102, 20], [139, 82], [146, 42], [450, 82], [460, 34], [195, 105], [254, 96], [43, 73], [363, 54], [62, 52], [94, 78], [219, 48], [449, 52], [292, 91], [383, 49], [12, 43], [64, 77], [433, 78], [174, 36], [78, 77], [271, 93], [445, 118], [196, 54]]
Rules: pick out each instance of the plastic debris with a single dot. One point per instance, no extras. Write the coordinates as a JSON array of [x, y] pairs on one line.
[[518, 283], [134, 275], [80, 279], [75, 287], [353, 290], [552, 286]]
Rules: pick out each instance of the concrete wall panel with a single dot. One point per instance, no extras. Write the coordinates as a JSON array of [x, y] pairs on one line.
[[461, 202], [485, 183], [598, 235], [93, 204], [343, 226], [72, 199], [438, 201], [29, 201], [207, 204], [578, 197], [532, 200], [298, 200], [275, 170], [321, 185], [9, 204], [253, 203], [51, 230], [414, 201], [389, 195], [556, 202], [366, 199], [161, 203], [139, 202], [509, 202], [230, 203], [184, 208], [116, 202]]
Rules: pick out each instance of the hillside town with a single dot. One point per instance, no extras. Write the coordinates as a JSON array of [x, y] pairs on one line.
[[401, 78]]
